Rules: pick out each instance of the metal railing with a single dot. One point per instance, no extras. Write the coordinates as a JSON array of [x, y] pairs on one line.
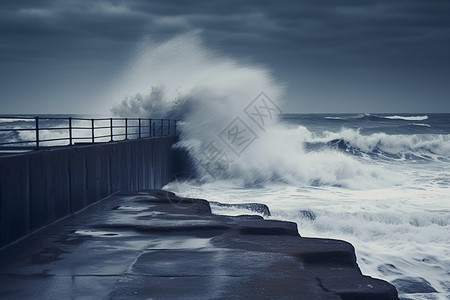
[[32, 133]]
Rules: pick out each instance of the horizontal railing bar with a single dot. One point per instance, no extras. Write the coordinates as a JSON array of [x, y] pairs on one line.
[[115, 126], [53, 140], [102, 136], [51, 128], [129, 126], [19, 142], [17, 117], [14, 148], [73, 118], [82, 128], [34, 118]]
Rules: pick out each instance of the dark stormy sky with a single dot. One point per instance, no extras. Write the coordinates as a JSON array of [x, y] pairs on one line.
[[331, 55]]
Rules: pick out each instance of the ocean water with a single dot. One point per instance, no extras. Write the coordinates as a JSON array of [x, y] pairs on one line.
[[378, 181]]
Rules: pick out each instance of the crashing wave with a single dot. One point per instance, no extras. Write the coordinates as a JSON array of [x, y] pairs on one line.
[[211, 94]]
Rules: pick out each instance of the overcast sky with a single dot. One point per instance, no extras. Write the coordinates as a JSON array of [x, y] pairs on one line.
[[332, 55]]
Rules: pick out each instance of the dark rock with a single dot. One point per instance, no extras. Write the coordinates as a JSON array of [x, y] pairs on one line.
[[268, 227], [255, 207], [413, 285], [353, 286], [336, 258], [326, 252], [177, 204], [247, 217]]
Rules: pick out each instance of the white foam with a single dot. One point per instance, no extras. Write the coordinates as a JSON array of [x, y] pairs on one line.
[[407, 118], [406, 226], [422, 124], [182, 78]]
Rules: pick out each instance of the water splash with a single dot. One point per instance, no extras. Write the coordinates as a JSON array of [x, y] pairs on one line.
[[181, 78]]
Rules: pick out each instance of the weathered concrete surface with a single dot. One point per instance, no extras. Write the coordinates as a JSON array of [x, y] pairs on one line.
[[38, 188], [154, 245]]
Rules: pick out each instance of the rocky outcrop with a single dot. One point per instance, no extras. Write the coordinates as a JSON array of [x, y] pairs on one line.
[[154, 244], [254, 207]]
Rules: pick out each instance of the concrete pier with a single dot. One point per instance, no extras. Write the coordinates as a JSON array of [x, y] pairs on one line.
[[155, 245]]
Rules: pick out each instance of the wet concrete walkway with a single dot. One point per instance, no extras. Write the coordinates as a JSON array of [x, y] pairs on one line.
[[155, 245]]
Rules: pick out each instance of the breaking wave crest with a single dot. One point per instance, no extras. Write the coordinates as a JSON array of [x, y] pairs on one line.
[[415, 146], [182, 79], [371, 117]]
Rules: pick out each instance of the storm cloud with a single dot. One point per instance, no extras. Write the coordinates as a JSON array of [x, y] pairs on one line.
[[346, 55]]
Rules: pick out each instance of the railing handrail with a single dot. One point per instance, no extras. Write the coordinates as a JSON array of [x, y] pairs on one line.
[[91, 132]]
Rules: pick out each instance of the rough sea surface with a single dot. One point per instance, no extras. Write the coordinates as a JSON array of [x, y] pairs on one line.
[[378, 181]]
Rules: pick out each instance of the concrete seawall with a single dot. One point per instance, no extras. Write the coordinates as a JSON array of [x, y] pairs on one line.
[[155, 245], [38, 188]]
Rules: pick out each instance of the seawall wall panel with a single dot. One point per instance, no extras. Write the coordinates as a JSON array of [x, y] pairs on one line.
[[14, 213], [38, 188]]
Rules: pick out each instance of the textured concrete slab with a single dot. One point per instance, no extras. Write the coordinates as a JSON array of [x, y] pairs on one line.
[[155, 245]]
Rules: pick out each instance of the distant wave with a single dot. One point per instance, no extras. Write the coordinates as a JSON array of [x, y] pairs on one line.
[[364, 116], [415, 146], [422, 124], [371, 117], [334, 118], [411, 118], [12, 120]]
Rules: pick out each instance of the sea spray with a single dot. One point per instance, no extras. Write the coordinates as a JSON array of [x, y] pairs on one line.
[[181, 78]]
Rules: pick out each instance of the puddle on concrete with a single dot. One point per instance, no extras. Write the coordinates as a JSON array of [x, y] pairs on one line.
[[133, 208], [179, 243], [138, 197], [97, 233], [145, 197]]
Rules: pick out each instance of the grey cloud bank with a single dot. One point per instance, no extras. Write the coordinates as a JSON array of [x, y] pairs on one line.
[[332, 56]]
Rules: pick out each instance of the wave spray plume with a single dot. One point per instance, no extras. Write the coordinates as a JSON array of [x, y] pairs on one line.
[[181, 78]]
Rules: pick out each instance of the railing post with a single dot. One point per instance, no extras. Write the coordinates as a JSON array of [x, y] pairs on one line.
[[162, 127], [37, 132], [139, 128], [154, 129], [70, 132], [111, 129], [126, 128], [168, 127], [149, 127], [93, 131]]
